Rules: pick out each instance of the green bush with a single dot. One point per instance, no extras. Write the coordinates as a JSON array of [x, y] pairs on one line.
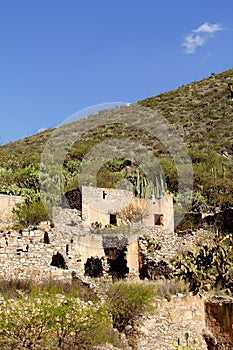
[[52, 321], [127, 300], [30, 213]]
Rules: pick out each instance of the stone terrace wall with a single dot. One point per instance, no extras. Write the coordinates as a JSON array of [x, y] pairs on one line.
[[169, 241], [208, 320], [172, 319]]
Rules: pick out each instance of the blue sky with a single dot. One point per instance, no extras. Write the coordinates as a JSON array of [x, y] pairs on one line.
[[60, 56]]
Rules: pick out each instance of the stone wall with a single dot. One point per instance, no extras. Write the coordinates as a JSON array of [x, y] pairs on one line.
[[207, 320], [99, 203], [28, 253], [94, 245], [168, 241], [164, 206], [170, 321], [7, 204], [72, 238], [24, 255]]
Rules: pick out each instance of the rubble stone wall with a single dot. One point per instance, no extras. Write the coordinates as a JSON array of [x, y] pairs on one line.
[[170, 321], [27, 254]]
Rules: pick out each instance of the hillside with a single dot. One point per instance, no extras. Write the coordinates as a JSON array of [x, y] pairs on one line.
[[202, 114]]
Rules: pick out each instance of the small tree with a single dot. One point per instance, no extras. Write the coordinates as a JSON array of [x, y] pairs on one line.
[[130, 213]]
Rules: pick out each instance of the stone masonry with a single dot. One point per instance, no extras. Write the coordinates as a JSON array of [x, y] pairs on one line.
[[25, 254], [28, 254], [170, 321]]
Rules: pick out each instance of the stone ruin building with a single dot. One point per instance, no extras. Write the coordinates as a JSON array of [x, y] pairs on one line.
[[72, 249], [110, 206]]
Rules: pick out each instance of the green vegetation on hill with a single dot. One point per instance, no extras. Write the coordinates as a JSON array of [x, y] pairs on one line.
[[201, 113]]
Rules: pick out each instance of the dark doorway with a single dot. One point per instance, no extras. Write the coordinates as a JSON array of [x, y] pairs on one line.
[[116, 258], [113, 219]]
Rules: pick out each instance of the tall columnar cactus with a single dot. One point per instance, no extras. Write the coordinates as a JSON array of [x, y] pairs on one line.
[[139, 183], [143, 188], [159, 185]]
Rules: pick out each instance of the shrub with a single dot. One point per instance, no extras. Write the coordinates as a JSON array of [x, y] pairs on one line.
[[130, 213], [96, 225], [14, 288], [51, 321], [30, 213], [127, 300]]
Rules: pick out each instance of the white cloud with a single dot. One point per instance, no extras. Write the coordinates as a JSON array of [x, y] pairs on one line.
[[204, 33], [208, 28], [191, 42]]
